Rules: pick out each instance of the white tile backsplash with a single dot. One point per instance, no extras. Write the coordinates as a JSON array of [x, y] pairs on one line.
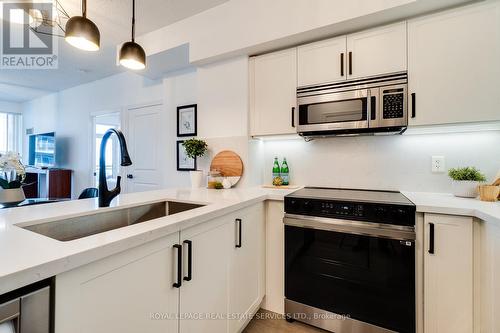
[[383, 162]]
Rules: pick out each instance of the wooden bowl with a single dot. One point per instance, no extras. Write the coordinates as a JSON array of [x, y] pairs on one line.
[[489, 192]]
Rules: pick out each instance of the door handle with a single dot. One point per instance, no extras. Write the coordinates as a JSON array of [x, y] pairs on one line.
[[190, 260], [342, 64], [350, 63], [431, 238], [293, 116], [130, 176], [413, 105], [178, 284], [238, 240]]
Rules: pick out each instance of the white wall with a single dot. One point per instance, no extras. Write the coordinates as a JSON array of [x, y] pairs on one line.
[[10, 107], [242, 27], [69, 114], [179, 89], [383, 162]]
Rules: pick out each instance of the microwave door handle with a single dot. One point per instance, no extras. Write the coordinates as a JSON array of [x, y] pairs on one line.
[[373, 108]]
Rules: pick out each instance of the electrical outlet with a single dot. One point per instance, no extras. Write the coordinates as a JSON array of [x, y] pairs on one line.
[[438, 164]]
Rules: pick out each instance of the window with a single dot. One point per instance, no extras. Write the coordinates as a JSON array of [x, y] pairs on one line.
[[10, 132]]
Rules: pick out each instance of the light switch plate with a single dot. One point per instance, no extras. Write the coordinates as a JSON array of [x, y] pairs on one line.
[[438, 164]]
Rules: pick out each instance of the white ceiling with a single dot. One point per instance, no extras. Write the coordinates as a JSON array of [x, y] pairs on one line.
[[113, 18]]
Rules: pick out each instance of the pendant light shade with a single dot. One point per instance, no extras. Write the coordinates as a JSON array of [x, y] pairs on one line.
[[81, 32], [132, 55]]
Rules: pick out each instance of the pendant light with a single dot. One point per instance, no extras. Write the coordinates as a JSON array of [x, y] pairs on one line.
[[81, 32], [132, 55]]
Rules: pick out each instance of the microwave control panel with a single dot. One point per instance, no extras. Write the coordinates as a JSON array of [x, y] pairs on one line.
[[393, 103]]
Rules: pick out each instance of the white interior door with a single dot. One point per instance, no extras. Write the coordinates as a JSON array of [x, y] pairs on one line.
[[144, 139]]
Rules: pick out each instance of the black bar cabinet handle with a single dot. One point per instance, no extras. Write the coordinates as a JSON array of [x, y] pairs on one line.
[[178, 284], [238, 225], [190, 260], [342, 64], [431, 238], [350, 63], [373, 106], [293, 116], [413, 105]]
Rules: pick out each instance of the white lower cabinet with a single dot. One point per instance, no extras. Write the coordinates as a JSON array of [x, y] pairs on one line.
[[134, 291], [128, 293], [448, 274], [204, 299], [246, 273]]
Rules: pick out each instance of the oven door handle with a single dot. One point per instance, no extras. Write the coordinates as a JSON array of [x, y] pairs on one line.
[[404, 233]]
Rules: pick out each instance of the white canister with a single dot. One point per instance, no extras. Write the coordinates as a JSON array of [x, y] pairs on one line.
[[196, 179], [465, 188]]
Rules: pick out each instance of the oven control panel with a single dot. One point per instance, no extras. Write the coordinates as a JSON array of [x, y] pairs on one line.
[[370, 212]]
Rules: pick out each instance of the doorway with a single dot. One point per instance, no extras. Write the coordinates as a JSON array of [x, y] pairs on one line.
[[102, 123]]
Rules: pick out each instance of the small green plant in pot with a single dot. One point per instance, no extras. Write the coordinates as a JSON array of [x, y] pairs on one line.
[[195, 148], [12, 175], [466, 181]]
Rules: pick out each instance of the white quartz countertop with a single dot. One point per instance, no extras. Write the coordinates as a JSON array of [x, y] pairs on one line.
[[27, 257], [445, 203]]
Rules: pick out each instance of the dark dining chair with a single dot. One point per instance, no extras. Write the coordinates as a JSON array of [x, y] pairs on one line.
[[88, 193]]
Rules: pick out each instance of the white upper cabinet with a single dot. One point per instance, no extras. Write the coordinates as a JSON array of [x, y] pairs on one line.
[[322, 62], [448, 274], [454, 65], [368, 53], [377, 51], [273, 89]]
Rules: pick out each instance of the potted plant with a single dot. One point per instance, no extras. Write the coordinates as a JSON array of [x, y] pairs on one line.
[[195, 148], [12, 174], [466, 181]]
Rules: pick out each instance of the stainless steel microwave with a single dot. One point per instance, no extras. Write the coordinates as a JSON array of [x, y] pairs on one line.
[[376, 105]]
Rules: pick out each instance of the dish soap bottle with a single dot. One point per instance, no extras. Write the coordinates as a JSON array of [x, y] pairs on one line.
[[285, 172], [277, 181]]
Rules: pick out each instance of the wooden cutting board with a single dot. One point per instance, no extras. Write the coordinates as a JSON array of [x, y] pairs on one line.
[[228, 163]]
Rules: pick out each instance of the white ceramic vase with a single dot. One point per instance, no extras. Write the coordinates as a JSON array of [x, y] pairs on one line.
[[465, 188], [11, 196], [196, 178]]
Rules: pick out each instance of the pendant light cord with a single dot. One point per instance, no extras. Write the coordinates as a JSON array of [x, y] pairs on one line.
[[133, 20], [84, 8]]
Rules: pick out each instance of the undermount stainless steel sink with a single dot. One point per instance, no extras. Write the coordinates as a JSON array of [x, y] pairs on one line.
[[83, 226]]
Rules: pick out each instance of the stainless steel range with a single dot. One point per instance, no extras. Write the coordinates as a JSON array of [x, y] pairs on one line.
[[350, 260]]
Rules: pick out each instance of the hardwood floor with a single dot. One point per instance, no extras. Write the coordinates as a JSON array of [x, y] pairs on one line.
[[269, 322]]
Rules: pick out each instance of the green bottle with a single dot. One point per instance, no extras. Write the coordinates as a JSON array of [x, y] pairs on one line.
[[285, 172], [276, 168]]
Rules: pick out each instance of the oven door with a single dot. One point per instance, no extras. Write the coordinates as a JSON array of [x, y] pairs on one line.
[[355, 269], [333, 111]]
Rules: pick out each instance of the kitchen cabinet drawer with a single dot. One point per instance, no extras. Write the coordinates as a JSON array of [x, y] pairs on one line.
[[273, 89], [454, 67], [377, 51], [322, 62], [448, 274]]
